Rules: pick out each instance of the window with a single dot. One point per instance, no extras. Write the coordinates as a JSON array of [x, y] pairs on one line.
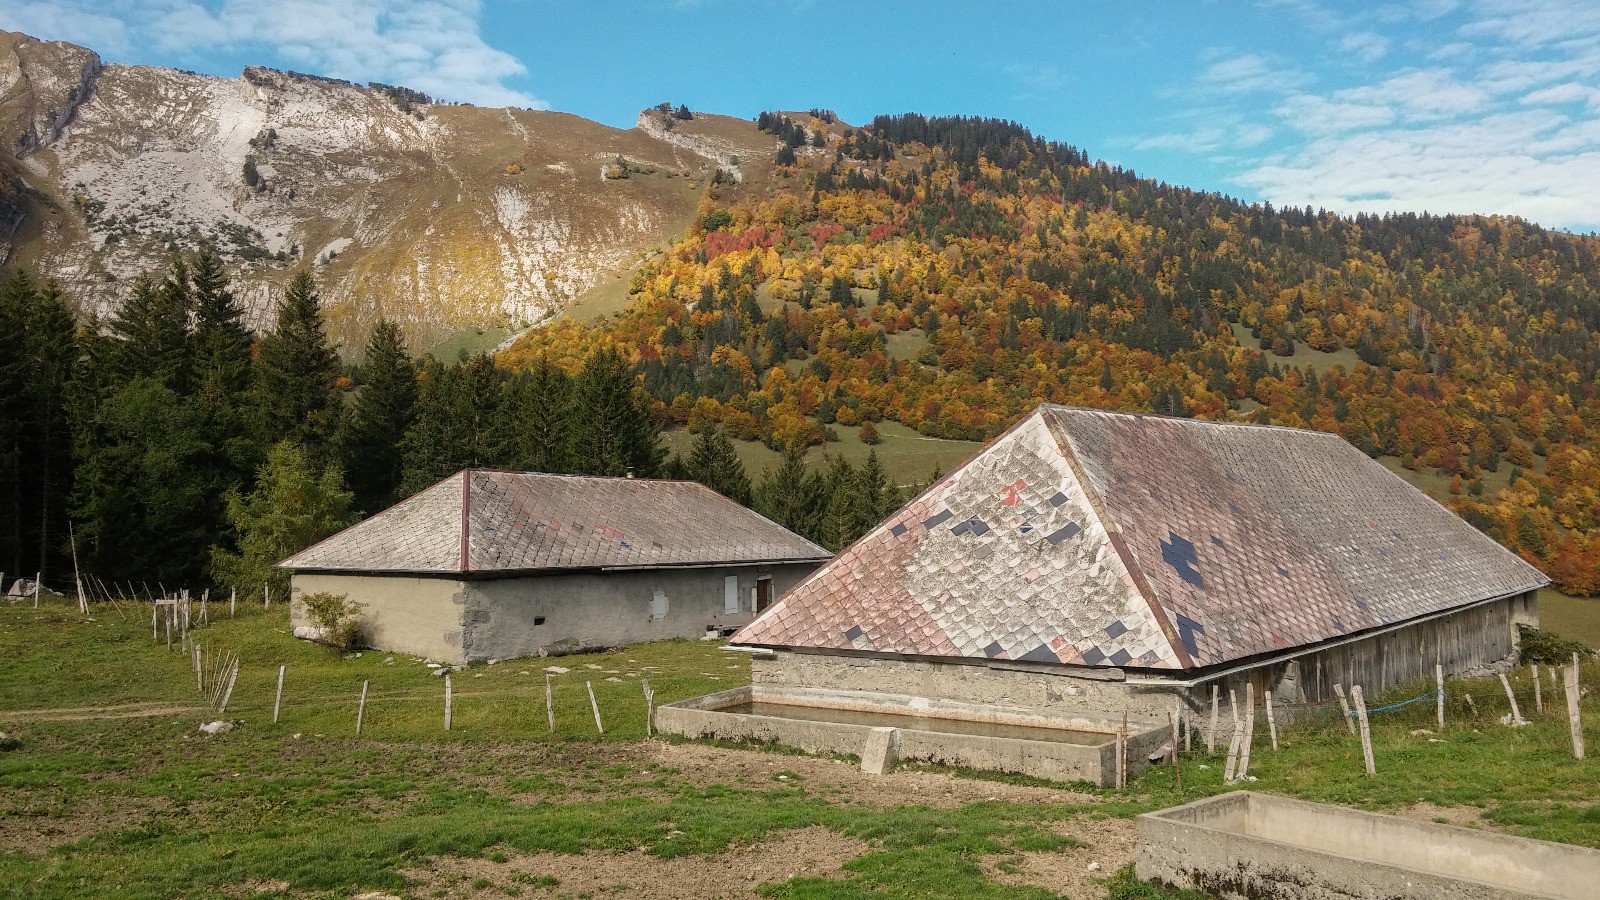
[[658, 606], [763, 593], [730, 595]]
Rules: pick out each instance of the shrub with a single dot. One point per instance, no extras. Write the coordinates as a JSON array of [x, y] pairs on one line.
[[1540, 646], [334, 616]]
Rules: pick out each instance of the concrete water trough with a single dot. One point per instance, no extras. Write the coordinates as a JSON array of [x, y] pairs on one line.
[[884, 728], [1261, 847]]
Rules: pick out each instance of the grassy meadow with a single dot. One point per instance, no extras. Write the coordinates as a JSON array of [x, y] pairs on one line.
[[113, 790]]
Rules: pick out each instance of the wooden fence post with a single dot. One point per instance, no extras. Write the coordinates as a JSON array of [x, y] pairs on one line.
[[1177, 773], [1574, 718], [549, 706], [649, 709], [233, 601], [361, 710], [595, 704], [277, 700], [1366, 729], [1272, 722], [1438, 683], [1233, 743], [1538, 692], [1211, 736], [1344, 705], [1249, 729], [1122, 764], [228, 694], [1516, 714], [447, 701]]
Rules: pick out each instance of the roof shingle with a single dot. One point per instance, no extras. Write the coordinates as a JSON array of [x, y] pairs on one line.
[[1091, 537], [520, 522]]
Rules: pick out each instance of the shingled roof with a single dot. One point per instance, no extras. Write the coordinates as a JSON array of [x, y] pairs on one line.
[[1086, 537], [479, 522]]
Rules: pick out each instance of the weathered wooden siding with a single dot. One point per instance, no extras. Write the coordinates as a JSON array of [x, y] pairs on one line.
[[1461, 642]]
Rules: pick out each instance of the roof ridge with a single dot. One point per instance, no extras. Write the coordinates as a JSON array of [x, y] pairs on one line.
[[1185, 420], [1113, 529]]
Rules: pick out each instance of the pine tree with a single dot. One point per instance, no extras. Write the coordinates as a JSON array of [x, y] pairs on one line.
[[297, 371], [293, 506], [369, 438], [613, 432], [714, 463], [220, 383], [878, 497]]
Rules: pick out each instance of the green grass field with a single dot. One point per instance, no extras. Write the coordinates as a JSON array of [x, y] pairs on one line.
[[1302, 356], [499, 806], [907, 456], [472, 341]]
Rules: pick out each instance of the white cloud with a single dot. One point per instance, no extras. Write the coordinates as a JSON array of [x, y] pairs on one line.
[[52, 21], [1311, 113], [434, 46], [1570, 92], [1365, 46], [1249, 73]]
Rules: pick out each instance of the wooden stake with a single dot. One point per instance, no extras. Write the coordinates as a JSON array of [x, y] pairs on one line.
[[266, 595], [233, 601], [1211, 736], [650, 710], [1177, 773], [1116, 763], [228, 694], [83, 604], [1538, 692], [37, 577], [154, 607], [277, 699], [361, 711], [199, 676], [1574, 719], [1345, 706], [1177, 721], [1516, 714], [1233, 752], [1471, 707], [596, 706], [1438, 682], [205, 618], [447, 701], [1366, 730], [549, 706], [1123, 771], [1249, 728], [1272, 722]]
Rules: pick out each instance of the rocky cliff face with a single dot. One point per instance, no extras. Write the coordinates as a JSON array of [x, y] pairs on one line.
[[442, 217]]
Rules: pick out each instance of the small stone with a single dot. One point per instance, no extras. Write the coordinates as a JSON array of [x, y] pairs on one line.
[[1204, 766], [1419, 732], [1252, 778], [614, 680], [592, 666], [432, 665], [438, 672], [478, 675], [9, 741], [494, 662], [1093, 867], [216, 727], [389, 661], [297, 735], [557, 670]]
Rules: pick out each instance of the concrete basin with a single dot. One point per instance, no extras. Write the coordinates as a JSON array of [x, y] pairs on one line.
[[1262, 847], [884, 728]]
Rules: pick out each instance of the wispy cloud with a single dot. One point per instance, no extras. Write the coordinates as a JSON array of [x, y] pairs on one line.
[[435, 46], [1489, 106]]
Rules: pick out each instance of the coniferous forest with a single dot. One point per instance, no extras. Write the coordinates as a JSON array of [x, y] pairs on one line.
[[172, 446]]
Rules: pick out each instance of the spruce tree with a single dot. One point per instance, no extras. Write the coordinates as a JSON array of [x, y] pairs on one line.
[[457, 423], [16, 303], [52, 351], [220, 383], [714, 463], [370, 436], [538, 426], [791, 496], [150, 333], [613, 434], [297, 371]]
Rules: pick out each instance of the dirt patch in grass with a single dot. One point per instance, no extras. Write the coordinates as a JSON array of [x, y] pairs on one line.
[[1106, 843], [1470, 816], [841, 781], [738, 872], [33, 829], [85, 713]]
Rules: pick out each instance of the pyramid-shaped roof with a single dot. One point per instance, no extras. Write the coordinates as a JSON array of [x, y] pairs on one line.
[[1086, 537], [485, 523]]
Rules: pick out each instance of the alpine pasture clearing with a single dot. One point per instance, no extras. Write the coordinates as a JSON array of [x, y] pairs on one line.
[[114, 791]]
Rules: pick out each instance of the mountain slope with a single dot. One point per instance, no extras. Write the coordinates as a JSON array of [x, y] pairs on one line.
[[951, 274], [440, 216]]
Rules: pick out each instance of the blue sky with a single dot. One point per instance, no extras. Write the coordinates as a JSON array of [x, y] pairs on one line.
[[1488, 106]]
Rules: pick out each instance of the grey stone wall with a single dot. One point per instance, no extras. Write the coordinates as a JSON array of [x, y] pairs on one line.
[[514, 617]]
